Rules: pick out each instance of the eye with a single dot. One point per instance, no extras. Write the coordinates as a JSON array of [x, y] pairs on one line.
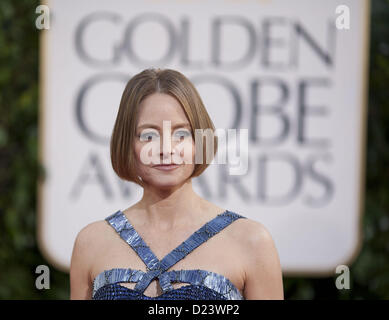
[[148, 136], [182, 134]]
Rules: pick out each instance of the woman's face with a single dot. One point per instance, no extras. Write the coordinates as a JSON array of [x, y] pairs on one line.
[[163, 136]]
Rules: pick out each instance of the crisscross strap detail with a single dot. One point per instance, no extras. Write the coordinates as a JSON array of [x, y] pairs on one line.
[[211, 280], [156, 268]]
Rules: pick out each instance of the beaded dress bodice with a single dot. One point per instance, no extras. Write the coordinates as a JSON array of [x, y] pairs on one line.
[[202, 284]]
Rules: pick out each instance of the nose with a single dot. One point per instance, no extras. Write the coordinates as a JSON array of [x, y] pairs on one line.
[[167, 148]]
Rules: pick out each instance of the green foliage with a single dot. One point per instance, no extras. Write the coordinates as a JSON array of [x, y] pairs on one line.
[[19, 255], [19, 169]]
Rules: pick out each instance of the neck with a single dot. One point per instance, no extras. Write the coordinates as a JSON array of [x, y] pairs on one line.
[[167, 209]]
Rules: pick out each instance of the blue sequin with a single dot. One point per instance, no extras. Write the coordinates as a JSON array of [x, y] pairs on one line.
[[202, 284]]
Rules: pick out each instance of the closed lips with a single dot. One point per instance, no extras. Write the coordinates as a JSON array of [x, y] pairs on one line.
[[165, 167]]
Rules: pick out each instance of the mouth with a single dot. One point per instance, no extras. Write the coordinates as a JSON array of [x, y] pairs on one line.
[[166, 167]]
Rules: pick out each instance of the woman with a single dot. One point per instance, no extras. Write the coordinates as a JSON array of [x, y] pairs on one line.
[[172, 244]]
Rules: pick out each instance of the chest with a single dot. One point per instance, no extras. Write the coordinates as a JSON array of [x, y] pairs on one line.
[[210, 256]]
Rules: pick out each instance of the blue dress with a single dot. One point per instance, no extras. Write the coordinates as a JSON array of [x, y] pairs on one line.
[[203, 285]]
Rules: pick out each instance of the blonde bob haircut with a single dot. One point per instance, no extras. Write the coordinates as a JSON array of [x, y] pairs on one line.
[[140, 86]]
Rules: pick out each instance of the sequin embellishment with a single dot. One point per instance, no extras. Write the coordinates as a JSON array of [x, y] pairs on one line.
[[202, 284]]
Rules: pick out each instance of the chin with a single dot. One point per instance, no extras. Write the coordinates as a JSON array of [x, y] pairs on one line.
[[165, 183]]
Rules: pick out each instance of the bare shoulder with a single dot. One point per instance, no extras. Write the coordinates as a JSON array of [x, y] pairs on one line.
[[92, 228], [91, 235], [262, 268], [252, 233], [84, 252], [89, 240]]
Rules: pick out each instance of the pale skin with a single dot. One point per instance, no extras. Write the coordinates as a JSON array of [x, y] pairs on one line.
[[168, 213]]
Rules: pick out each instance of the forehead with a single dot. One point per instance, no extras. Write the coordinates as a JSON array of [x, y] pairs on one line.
[[158, 107]]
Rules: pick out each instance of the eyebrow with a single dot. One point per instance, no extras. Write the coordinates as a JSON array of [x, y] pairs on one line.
[[149, 125]]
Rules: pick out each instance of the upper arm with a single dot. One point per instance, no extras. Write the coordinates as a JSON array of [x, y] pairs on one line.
[[80, 282], [263, 276]]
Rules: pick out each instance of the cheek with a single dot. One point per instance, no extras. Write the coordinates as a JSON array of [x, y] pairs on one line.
[[137, 149], [138, 153], [147, 153], [187, 153]]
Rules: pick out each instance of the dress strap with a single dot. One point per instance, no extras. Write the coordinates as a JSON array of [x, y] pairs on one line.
[[200, 236], [156, 268], [127, 232]]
